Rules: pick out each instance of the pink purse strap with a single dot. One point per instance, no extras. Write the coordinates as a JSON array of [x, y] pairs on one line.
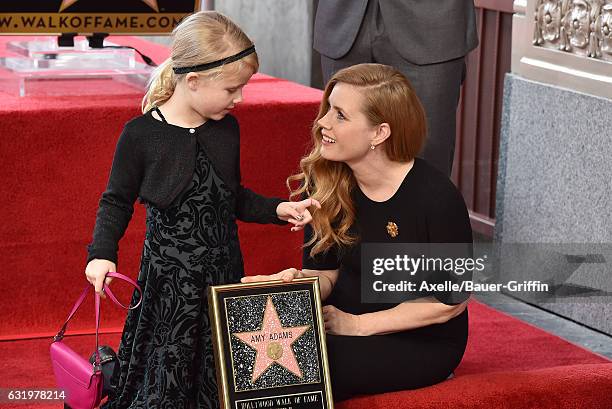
[[110, 294]]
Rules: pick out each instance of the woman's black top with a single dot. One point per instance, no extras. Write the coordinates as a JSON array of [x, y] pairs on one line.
[[427, 208]]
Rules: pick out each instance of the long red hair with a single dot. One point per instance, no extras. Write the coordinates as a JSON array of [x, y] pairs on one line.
[[388, 98]]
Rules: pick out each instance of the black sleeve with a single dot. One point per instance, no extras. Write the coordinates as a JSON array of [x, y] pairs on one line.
[[117, 203], [448, 222], [255, 208], [322, 261]]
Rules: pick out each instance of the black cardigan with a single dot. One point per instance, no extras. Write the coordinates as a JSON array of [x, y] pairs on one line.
[[155, 161]]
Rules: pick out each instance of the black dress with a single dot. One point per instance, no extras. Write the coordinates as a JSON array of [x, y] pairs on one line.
[[166, 357], [427, 208]]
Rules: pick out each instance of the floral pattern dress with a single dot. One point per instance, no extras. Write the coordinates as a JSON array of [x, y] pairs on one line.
[[166, 355]]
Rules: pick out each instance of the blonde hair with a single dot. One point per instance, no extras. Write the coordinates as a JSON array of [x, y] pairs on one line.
[[200, 38], [387, 97]]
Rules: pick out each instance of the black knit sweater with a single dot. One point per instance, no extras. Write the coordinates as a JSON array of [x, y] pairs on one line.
[[154, 161]]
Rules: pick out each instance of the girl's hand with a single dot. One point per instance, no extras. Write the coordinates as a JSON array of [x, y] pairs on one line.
[[338, 322], [96, 271], [297, 213], [285, 275]]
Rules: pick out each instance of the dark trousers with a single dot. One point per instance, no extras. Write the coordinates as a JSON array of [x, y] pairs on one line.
[[437, 85]]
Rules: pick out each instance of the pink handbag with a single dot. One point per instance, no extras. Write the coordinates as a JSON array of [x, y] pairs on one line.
[[81, 382]]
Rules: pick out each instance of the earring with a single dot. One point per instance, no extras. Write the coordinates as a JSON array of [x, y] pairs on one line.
[[372, 147]]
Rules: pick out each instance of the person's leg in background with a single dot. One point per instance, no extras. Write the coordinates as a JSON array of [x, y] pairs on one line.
[[437, 86], [360, 52]]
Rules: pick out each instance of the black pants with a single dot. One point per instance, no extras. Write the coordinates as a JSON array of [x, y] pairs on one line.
[[393, 362]]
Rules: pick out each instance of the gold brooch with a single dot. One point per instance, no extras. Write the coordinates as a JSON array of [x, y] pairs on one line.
[[392, 229]]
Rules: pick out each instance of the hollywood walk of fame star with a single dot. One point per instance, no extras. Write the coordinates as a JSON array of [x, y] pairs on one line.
[[67, 3], [273, 343]]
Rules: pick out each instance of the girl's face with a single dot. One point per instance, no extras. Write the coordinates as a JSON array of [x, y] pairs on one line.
[[214, 98], [346, 132]]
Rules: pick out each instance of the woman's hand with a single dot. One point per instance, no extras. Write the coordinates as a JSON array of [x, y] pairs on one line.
[[338, 322], [285, 275], [297, 213], [96, 271]]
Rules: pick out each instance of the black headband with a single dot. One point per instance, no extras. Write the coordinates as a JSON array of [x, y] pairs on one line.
[[215, 64]]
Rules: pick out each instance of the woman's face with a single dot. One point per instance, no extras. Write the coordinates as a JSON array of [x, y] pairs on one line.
[[346, 132]]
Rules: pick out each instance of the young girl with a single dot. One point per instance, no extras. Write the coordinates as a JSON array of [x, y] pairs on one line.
[[181, 158]]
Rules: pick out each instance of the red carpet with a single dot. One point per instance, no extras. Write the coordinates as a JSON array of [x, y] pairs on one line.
[[56, 153], [526, 368]]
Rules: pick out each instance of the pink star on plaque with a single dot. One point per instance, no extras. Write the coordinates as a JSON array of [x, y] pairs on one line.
[[273, 343]]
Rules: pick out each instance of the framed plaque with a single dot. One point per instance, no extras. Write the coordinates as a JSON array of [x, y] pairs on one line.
[[269, 343]]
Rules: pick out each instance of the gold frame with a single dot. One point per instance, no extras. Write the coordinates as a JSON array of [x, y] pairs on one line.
[[217, 332]]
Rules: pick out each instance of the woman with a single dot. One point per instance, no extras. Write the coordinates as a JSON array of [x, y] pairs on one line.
[[372, 189]]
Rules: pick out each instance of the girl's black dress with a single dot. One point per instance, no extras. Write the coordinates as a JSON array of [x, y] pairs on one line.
[[166, 356], [427, 208]]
